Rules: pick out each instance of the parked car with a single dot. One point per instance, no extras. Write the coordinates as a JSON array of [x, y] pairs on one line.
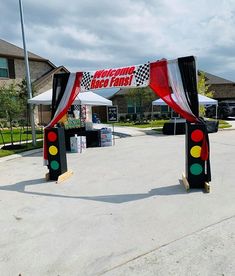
[[225, 109]]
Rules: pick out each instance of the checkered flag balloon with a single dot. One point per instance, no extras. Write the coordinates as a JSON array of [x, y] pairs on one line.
[[86, 80], [142, 74]]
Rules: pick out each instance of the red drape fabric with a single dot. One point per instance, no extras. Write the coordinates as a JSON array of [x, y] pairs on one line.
[[159, 83], [205, 150], [64, 106]]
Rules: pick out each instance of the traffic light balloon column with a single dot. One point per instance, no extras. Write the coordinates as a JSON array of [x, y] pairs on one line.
[[195, 165], [56, 152]]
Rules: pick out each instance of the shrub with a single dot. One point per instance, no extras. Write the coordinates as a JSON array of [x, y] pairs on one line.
[[121, 118]]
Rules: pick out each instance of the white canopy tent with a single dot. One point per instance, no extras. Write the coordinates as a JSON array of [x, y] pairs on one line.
[[85, 98], [203, 100]]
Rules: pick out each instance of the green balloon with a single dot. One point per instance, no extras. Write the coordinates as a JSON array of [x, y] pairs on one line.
[[196, 169], [54, 165]]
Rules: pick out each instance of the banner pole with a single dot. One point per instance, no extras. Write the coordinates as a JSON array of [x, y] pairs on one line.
[[28, 79], [113, 135]]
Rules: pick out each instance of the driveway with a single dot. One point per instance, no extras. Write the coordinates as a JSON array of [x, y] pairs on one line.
[[123, 132], [124, 211]]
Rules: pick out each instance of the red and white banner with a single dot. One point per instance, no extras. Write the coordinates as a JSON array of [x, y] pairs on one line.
[[131, 76]]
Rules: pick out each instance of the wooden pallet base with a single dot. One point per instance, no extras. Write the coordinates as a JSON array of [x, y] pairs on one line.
[[64, 176], [61, 178], [47, 176], [185, 182], [207, 186]]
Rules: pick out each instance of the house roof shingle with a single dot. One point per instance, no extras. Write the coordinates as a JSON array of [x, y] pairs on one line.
[[212, 79], [49, 74], [10, 50]]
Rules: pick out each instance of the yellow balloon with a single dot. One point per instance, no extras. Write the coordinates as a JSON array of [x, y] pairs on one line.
[[53, 150], [196, 151]]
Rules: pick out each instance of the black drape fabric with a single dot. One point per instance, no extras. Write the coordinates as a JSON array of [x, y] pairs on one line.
[[187, 67], [59, 84]]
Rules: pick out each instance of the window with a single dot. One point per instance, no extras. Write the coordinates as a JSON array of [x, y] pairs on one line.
[[4, 68], [164, 109], [132, 107]]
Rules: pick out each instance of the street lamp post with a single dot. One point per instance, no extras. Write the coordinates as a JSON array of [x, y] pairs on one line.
[[27, 75]]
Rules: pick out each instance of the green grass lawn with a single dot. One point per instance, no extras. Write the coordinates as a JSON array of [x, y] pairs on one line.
[[25, 148], [160, 123], [224, 124], [18, 135], [153, 124]]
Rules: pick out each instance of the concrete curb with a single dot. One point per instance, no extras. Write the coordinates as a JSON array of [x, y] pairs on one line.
[[18, 155]]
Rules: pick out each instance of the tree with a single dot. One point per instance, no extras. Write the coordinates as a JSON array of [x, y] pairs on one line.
[[203, 89], [11, 104], [23, 95], [139, 97]]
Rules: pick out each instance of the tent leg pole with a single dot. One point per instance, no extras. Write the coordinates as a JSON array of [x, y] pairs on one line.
[[152, 117]]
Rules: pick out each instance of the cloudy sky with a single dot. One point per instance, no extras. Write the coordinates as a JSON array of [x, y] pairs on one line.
[[90, 35]]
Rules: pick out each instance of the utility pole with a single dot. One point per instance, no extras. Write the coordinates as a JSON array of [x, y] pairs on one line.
[[27, 75]]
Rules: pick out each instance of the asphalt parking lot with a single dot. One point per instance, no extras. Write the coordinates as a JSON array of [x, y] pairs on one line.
[[124, 211]]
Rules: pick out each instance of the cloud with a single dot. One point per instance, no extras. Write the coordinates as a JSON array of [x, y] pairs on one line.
[[88, 35]]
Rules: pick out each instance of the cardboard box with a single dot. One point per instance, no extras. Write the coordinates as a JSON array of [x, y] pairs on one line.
[[106, 137], [76, 144]]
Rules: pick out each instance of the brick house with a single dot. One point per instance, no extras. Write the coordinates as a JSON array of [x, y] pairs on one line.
[[223, 90], [126, 106], [12, 68]]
